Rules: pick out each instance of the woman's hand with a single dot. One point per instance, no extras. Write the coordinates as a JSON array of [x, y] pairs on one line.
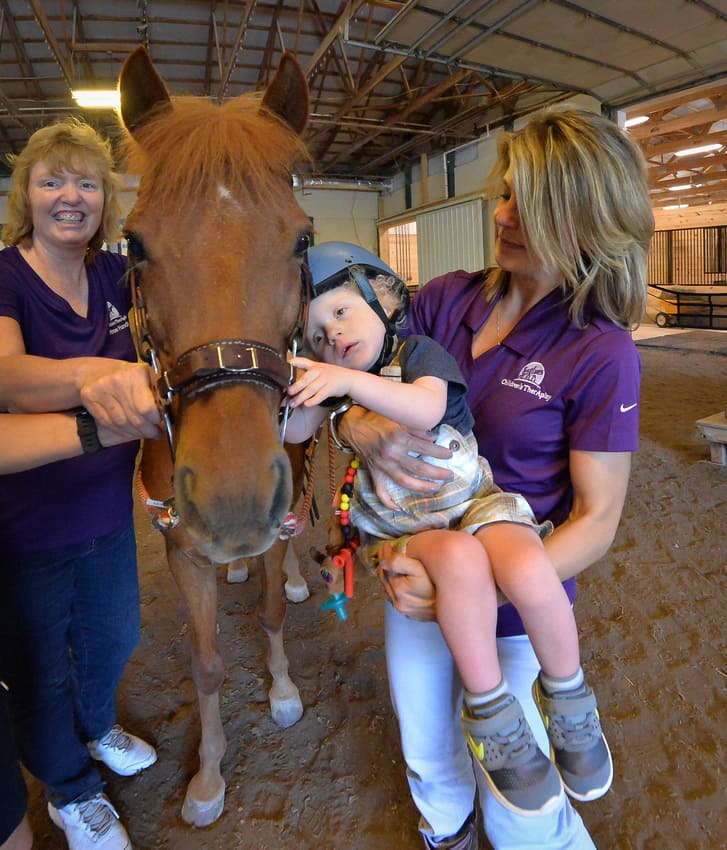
[[388, 450], [407, 585], [123, 402]]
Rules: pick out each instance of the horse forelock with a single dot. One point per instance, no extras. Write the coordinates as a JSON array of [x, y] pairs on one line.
[[198, 146]]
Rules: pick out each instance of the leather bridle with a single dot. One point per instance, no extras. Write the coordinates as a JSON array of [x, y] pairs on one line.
[[212, 364]]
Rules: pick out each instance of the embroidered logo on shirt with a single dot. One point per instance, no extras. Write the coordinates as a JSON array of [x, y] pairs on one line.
[[117, 322], [626, 407], [529, 380]]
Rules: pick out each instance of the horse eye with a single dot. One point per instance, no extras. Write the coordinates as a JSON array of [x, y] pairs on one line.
[[135, 247], [303, 244]]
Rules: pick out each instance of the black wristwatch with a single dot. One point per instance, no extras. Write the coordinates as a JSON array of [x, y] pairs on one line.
[[87, 433]]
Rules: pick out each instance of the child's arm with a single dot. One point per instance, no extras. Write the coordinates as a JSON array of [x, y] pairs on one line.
[[303, 423], [420, 405]]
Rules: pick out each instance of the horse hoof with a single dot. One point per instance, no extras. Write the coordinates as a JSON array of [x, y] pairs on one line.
[[237, 573], [296, 592], [201, 813], [286, 712]]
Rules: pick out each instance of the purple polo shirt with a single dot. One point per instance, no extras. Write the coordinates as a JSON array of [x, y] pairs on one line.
[[73, 501], [549, 387]]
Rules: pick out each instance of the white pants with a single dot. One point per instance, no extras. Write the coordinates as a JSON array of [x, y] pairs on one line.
[[426, 693]]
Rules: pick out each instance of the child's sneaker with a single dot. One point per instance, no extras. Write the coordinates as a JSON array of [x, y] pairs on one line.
[[91, 825], [465, 839], [517, 771], [124, 753], [577, 744]]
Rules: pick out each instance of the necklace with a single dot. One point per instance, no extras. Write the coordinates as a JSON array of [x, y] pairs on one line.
[[498, 308]]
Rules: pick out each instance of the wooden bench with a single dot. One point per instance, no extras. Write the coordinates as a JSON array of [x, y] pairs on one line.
[[714, 429]]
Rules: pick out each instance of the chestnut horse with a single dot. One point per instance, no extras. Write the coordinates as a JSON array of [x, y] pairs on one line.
[[216, 254]]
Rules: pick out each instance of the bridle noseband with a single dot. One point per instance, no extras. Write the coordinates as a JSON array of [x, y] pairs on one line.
[[212, 364]]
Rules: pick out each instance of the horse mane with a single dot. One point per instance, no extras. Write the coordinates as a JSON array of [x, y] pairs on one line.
[[197, 144]]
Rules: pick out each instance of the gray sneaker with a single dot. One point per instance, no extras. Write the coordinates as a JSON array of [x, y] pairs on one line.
[[517, 771], [91, 825], [465, 839], [577, 743]]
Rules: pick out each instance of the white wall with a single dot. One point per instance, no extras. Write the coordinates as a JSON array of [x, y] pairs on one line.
[[342, 215], [473, 163]]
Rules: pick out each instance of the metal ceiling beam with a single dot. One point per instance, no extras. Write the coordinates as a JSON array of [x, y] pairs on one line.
[[224, 82], [335, 32], [698, 118], [43, 23], [430, 95]]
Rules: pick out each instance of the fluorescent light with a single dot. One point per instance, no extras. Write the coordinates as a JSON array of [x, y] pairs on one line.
[[701, 149], [636, 120], [97, 98], [680, 187], [675, 207]]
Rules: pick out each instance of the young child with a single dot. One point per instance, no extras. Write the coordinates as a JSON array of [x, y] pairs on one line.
[[471, 537]]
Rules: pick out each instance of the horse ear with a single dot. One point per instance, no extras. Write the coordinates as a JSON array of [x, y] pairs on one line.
[[287, 94], [141, 89]]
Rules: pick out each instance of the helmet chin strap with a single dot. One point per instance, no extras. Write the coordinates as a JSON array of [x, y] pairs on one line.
[[387, 349]]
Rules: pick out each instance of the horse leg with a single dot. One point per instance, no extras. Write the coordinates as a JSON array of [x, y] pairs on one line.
[[286, 706], [238, 572], [197, 582], [296, 587]]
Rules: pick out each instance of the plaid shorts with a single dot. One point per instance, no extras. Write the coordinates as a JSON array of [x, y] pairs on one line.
[[466, 503]]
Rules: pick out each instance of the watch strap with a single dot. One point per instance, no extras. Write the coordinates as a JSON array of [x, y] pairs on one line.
[[87, 432]]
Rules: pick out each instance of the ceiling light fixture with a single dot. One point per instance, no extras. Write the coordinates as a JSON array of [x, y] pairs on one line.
[[636, 120], [675, 207], [96, 98], [680, 187], [701, 149]]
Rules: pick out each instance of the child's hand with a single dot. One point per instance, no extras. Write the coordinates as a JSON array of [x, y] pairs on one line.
[[318, 382]]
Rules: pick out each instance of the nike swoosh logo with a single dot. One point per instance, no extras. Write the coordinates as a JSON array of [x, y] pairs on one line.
[[477, 747], [625, 409]]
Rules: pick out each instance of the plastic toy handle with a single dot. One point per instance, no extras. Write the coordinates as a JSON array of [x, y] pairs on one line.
[[344, 561], [337, 603]]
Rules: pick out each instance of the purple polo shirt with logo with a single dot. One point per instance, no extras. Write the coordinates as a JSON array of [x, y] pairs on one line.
[[548, 388], [73, 501]]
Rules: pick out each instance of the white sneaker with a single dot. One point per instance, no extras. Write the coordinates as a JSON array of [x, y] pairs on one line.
[[125, 754], [92, 824]]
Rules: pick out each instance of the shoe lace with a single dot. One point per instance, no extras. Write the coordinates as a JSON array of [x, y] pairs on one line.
[[117, 739], [514, 742], [578, 730], [98, 815]]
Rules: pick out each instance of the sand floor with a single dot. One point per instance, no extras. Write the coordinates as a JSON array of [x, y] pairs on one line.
[[652, 624]]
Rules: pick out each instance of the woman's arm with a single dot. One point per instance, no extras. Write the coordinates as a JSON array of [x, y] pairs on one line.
[[116, 393], [387, 448], [600, 481], [28, 440]]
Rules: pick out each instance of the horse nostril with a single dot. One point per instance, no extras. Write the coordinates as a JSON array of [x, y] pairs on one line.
[[283, 489]]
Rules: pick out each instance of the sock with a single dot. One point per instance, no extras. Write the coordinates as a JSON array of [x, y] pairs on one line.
[[479, 703], [552, 684]]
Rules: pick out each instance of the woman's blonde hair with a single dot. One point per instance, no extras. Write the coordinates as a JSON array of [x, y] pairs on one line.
[[70, 145], [582, 196]]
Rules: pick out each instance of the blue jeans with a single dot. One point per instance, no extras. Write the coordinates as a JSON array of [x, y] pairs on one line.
[[69, 621]]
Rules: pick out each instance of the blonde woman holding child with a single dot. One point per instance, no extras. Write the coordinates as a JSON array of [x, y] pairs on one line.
[[472, 538]]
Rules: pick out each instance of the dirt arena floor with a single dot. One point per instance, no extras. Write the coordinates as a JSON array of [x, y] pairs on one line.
[[652, 622]]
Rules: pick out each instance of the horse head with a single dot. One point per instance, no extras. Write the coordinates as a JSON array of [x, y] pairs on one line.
[[216, 248]]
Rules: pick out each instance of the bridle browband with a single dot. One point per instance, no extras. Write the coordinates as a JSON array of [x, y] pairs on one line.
[[212, 364]]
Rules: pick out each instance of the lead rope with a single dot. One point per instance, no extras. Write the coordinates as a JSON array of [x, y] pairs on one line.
[[293, 524]]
